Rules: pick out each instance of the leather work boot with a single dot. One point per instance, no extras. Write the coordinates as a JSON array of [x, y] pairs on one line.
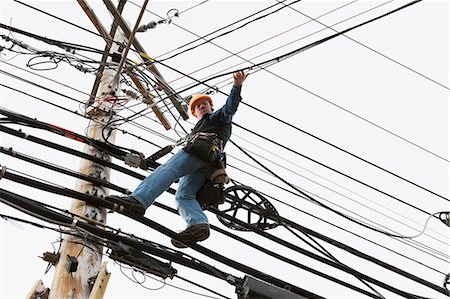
[[129, 203], [192, 235]]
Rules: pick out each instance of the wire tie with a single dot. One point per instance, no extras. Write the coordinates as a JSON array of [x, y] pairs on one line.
[[2, 172]]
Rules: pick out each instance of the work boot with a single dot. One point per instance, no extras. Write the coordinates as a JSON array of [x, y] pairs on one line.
[[129, 203], [192, 235]]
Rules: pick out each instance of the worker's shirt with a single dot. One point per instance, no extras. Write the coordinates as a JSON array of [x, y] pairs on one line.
[[219, 121]]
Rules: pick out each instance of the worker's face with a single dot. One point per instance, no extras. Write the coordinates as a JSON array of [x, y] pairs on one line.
[[202, 107]]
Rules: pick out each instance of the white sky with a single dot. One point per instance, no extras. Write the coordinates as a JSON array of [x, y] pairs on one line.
[[342, 72]]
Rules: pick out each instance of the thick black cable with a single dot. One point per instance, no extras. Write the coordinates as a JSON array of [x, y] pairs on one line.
[[111, 186], [23, 204], [113, 165], [64, 45], [99, 201], [340, 266], [277, 256], [45, 187], [71, 151], [59, 169], [342, 246]]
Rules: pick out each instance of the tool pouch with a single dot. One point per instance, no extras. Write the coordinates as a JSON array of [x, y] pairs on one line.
[[211, 195], [205, 146]]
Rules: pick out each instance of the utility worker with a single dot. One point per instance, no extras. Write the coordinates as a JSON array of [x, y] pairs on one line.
[[192, 165]]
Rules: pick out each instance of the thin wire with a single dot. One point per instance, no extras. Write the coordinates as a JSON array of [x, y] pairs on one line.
[[328, 254], [314, 200], [284, 56], [369, 48], [324, 178], [192, 7]]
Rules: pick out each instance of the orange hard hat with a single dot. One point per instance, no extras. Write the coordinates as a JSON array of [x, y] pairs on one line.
[[197, 97]]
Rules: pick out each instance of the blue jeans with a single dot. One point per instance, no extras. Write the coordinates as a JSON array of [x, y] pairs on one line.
[[192, 173]]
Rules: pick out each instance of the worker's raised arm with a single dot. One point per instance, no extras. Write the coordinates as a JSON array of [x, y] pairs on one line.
[[239, 78]]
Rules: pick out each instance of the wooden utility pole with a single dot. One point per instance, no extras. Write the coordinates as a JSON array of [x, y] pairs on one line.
[[72, 282]]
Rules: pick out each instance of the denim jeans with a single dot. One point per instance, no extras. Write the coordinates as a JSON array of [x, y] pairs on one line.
[[192, 173]]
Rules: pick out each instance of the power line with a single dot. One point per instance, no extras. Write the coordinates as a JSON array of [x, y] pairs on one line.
[[369, 48], [345, 151], [58, 169], [294, 52], [6, 195], [227, 32], [65, 191], [43, 142]]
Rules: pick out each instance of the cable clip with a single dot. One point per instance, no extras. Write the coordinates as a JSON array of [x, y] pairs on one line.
[[445, 218], [2, 171]]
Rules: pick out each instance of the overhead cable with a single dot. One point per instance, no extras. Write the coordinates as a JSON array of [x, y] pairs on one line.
[[318, 202], [89, 178], [98, 201], [22, 203], [369, 48], [227, 32]]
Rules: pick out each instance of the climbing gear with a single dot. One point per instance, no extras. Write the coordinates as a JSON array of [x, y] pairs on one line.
[[196, 98], [205, 146], [127, 203], [191, 235]]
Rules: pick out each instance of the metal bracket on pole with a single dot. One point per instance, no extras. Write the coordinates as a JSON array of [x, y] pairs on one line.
[[171, 94], [39, 291], [100, 284]]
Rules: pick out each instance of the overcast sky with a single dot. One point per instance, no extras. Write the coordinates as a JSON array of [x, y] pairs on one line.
[[380, 92]]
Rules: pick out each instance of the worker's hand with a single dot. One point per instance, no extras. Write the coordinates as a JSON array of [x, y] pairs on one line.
[[239, 78]]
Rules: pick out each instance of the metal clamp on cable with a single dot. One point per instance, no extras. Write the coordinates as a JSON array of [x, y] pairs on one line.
[[74, 223], [2, 172], [134, 160], [445, 218], [117, 208]]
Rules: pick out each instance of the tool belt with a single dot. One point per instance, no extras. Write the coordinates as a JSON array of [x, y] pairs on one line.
[[205, 146]]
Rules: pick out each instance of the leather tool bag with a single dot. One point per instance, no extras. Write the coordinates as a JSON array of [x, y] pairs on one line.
[[211, 194], [206, 146]]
